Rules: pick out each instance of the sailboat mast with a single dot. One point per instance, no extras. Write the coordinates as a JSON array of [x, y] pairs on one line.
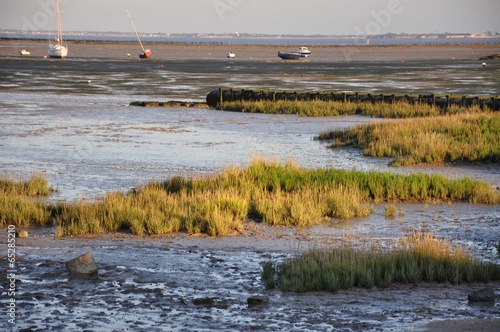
[[133, 26], [59, 26]]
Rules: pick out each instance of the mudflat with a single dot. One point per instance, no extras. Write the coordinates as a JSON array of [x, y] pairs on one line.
[[116, 50]]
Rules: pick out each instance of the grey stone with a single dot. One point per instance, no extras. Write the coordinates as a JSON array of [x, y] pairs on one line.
[[483, 295], [203, 301], [82, 265], [257, 300]]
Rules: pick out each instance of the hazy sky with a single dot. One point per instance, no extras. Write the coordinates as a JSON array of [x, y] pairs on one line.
[[336, 17]]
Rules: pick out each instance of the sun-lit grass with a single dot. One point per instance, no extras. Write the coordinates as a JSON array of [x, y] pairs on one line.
[[275, 194], [218, 205], [20, 211], [20, 203], [411, 259], [464, 137], [318, 108], [34, 186]]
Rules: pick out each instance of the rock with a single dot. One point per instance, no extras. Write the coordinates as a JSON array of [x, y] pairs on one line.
[[171, 104], [82, 265], [257, 300], [22, 234], [203, 301], [483, 295]]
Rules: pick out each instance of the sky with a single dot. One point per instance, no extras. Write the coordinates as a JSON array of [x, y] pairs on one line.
[[305, 17]]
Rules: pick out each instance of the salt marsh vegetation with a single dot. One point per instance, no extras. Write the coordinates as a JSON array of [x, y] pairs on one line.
[[469, 137], [410, 259], [218, 205]]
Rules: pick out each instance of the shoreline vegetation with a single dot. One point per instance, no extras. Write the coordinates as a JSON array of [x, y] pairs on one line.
[[320, 108], [220, 204], [413, 258], [423, 134], [467, 137]]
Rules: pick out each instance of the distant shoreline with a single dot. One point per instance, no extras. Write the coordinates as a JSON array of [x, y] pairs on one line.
[[216, 44], [316, 41]]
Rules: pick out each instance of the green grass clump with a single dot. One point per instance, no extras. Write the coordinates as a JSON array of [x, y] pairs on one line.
[[21, 211], [412, 259], [20, 204], [469, 137], [390, 211], [34, 186], [280, 195], [218, 205], [318, 108]]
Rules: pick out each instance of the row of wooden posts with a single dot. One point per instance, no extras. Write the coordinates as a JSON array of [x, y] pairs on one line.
[[218, 96]]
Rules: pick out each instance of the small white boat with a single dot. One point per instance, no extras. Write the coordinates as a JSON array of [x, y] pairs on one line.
[[304, 51], [24, 52], [58, 50], [289, 55], [231, 55]]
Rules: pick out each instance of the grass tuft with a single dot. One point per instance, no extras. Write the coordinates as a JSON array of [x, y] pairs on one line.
[[20, 202], [470, 137], [413, 258]]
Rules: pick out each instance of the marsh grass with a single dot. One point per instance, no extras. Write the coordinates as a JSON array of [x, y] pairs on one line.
[[391, 211], [218, 205], [319, 108], [269, 192], [34, 186], [20, 202], [411, 259], [470, 137]]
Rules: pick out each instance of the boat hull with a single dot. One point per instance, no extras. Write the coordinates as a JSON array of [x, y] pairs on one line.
[[57, 51], [289, 55], [145, 54]]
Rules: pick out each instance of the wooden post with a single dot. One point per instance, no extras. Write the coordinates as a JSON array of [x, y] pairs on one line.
[[220, 96]]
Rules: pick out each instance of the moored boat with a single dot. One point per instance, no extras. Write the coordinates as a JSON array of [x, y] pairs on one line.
[[58, 50], [289, 55], [146, 53], [25, 52], [231, 55]]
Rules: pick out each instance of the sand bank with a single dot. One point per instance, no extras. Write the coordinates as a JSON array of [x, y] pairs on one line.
[[257, 52]]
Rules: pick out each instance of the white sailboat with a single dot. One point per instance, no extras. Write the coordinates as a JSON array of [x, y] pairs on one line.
[[146, 53], [58, 50]]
